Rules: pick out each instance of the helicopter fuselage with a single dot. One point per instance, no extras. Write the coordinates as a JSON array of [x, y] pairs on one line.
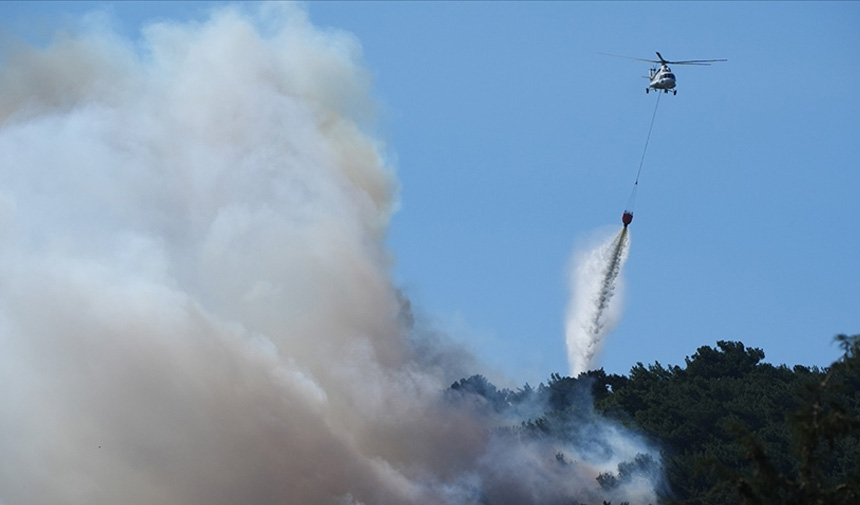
[[661, 78]]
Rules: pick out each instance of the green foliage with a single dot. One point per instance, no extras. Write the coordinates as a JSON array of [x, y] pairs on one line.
[[732, 429], [826, 429], [643, 465], [696, 413], [498, 400]]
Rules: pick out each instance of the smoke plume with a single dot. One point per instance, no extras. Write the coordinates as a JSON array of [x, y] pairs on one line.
[[195, 296], [595, 307]]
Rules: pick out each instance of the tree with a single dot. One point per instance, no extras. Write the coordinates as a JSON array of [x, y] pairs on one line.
[[826, 431], [697, 413], [732, 429]]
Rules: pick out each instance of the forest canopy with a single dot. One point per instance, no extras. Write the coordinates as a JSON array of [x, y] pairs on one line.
[[731, 428]]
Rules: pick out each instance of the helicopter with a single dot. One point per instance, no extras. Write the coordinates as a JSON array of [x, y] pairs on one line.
[[662, 77]]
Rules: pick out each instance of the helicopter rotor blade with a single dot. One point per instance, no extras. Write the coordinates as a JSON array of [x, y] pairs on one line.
[[695, 62], [629, 58], [664, 61]]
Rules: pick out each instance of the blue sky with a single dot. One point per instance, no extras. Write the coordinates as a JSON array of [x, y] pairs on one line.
[[514, 141]]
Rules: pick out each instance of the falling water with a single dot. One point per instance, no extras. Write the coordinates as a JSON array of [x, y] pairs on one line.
[[593, 310]]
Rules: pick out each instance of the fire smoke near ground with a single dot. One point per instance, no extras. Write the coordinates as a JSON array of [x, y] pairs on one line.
[[195, 297], [590, 315]]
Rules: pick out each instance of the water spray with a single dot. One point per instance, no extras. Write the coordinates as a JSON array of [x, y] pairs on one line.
[[610, 275], [596, 278], [594, 308]]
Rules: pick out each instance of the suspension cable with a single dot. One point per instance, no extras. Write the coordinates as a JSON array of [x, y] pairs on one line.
[[631, 201]]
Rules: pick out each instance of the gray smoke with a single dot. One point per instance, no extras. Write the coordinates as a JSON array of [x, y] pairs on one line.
[[195, 297]]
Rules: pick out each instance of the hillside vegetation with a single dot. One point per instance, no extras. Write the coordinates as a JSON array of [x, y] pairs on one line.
[[731, 428]]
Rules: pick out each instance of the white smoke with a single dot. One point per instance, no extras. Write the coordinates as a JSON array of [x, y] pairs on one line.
[[195, 296], [596, 290]]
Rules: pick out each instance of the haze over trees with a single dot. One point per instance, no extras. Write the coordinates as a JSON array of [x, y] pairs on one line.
[[731, 428]]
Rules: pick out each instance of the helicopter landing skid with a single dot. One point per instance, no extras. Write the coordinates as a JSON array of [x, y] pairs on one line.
[[674, 91]]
